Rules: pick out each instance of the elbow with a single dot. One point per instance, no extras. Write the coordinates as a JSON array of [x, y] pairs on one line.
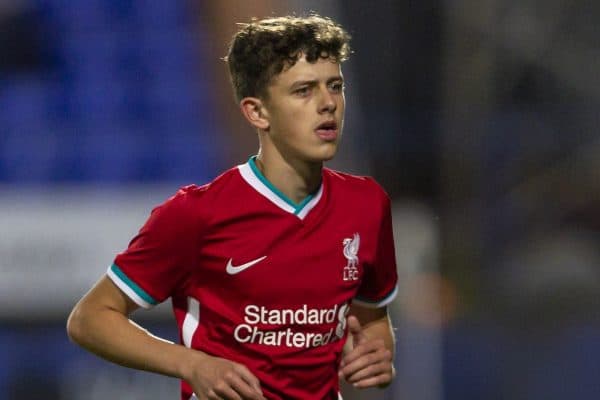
[[75, 325]]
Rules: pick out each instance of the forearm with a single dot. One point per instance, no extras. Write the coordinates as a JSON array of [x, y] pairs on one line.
[[368, 359], [381, 329], [114, 337], [376, 324], [99, 323]]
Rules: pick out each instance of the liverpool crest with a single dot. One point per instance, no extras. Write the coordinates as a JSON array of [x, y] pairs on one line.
[[351, 246]]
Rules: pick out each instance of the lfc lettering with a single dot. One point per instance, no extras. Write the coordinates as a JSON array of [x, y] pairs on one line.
[[350, 273]]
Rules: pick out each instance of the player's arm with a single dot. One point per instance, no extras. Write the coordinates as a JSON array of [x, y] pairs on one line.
[[100, 324], [369, 352]]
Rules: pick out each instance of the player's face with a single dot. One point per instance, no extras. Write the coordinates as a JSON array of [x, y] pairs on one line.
[[305, 110]]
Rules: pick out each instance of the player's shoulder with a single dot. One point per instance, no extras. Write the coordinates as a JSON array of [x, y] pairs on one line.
[[193, 195], [362, 185]]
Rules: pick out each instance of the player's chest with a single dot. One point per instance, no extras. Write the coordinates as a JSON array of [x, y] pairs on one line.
[[285, 259]]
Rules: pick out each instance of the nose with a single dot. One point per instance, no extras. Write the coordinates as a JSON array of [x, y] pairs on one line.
[[327, 103]]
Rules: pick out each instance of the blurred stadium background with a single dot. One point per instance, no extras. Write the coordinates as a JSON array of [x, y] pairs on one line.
[[480, 118]]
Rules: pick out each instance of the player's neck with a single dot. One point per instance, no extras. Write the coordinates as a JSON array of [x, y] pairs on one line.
[[296, 180]]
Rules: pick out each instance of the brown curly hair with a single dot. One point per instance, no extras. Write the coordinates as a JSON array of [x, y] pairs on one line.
[[262, 49]]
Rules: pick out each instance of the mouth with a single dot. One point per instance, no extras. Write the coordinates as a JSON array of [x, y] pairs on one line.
[[327, 130]]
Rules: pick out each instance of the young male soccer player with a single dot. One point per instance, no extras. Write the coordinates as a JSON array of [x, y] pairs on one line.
[[273, 264]]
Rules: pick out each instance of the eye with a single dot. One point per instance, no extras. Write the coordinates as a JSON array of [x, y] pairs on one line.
[[336, 87], [302, 91]]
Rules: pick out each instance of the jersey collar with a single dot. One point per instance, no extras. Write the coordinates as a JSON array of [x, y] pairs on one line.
[[257, 180]]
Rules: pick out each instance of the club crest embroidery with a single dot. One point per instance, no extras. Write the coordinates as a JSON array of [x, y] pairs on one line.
[[351, 253]]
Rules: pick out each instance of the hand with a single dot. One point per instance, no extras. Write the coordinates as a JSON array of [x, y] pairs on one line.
[[369, 363], [214, 378]]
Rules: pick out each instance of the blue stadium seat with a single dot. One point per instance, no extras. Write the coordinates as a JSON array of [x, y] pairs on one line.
[[124, 75], [158, 15]]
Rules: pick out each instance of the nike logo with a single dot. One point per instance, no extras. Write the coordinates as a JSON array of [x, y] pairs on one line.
[[236, 269]]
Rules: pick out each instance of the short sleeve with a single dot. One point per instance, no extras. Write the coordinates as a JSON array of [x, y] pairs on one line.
[[157, 260], [380, 282]]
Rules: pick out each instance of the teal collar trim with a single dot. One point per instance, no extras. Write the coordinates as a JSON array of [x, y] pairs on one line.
[[297, 206]]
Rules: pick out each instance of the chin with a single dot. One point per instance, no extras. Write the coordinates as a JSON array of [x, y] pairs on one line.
[[321, 154], [329, 157], [326, 156]]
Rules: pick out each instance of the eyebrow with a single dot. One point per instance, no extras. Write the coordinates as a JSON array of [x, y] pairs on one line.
[[312, 82]]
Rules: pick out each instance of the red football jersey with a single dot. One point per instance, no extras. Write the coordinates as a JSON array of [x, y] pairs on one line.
[[257, 279]]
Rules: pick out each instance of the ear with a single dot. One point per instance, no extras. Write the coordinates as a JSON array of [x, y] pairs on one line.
[[253, 110]]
